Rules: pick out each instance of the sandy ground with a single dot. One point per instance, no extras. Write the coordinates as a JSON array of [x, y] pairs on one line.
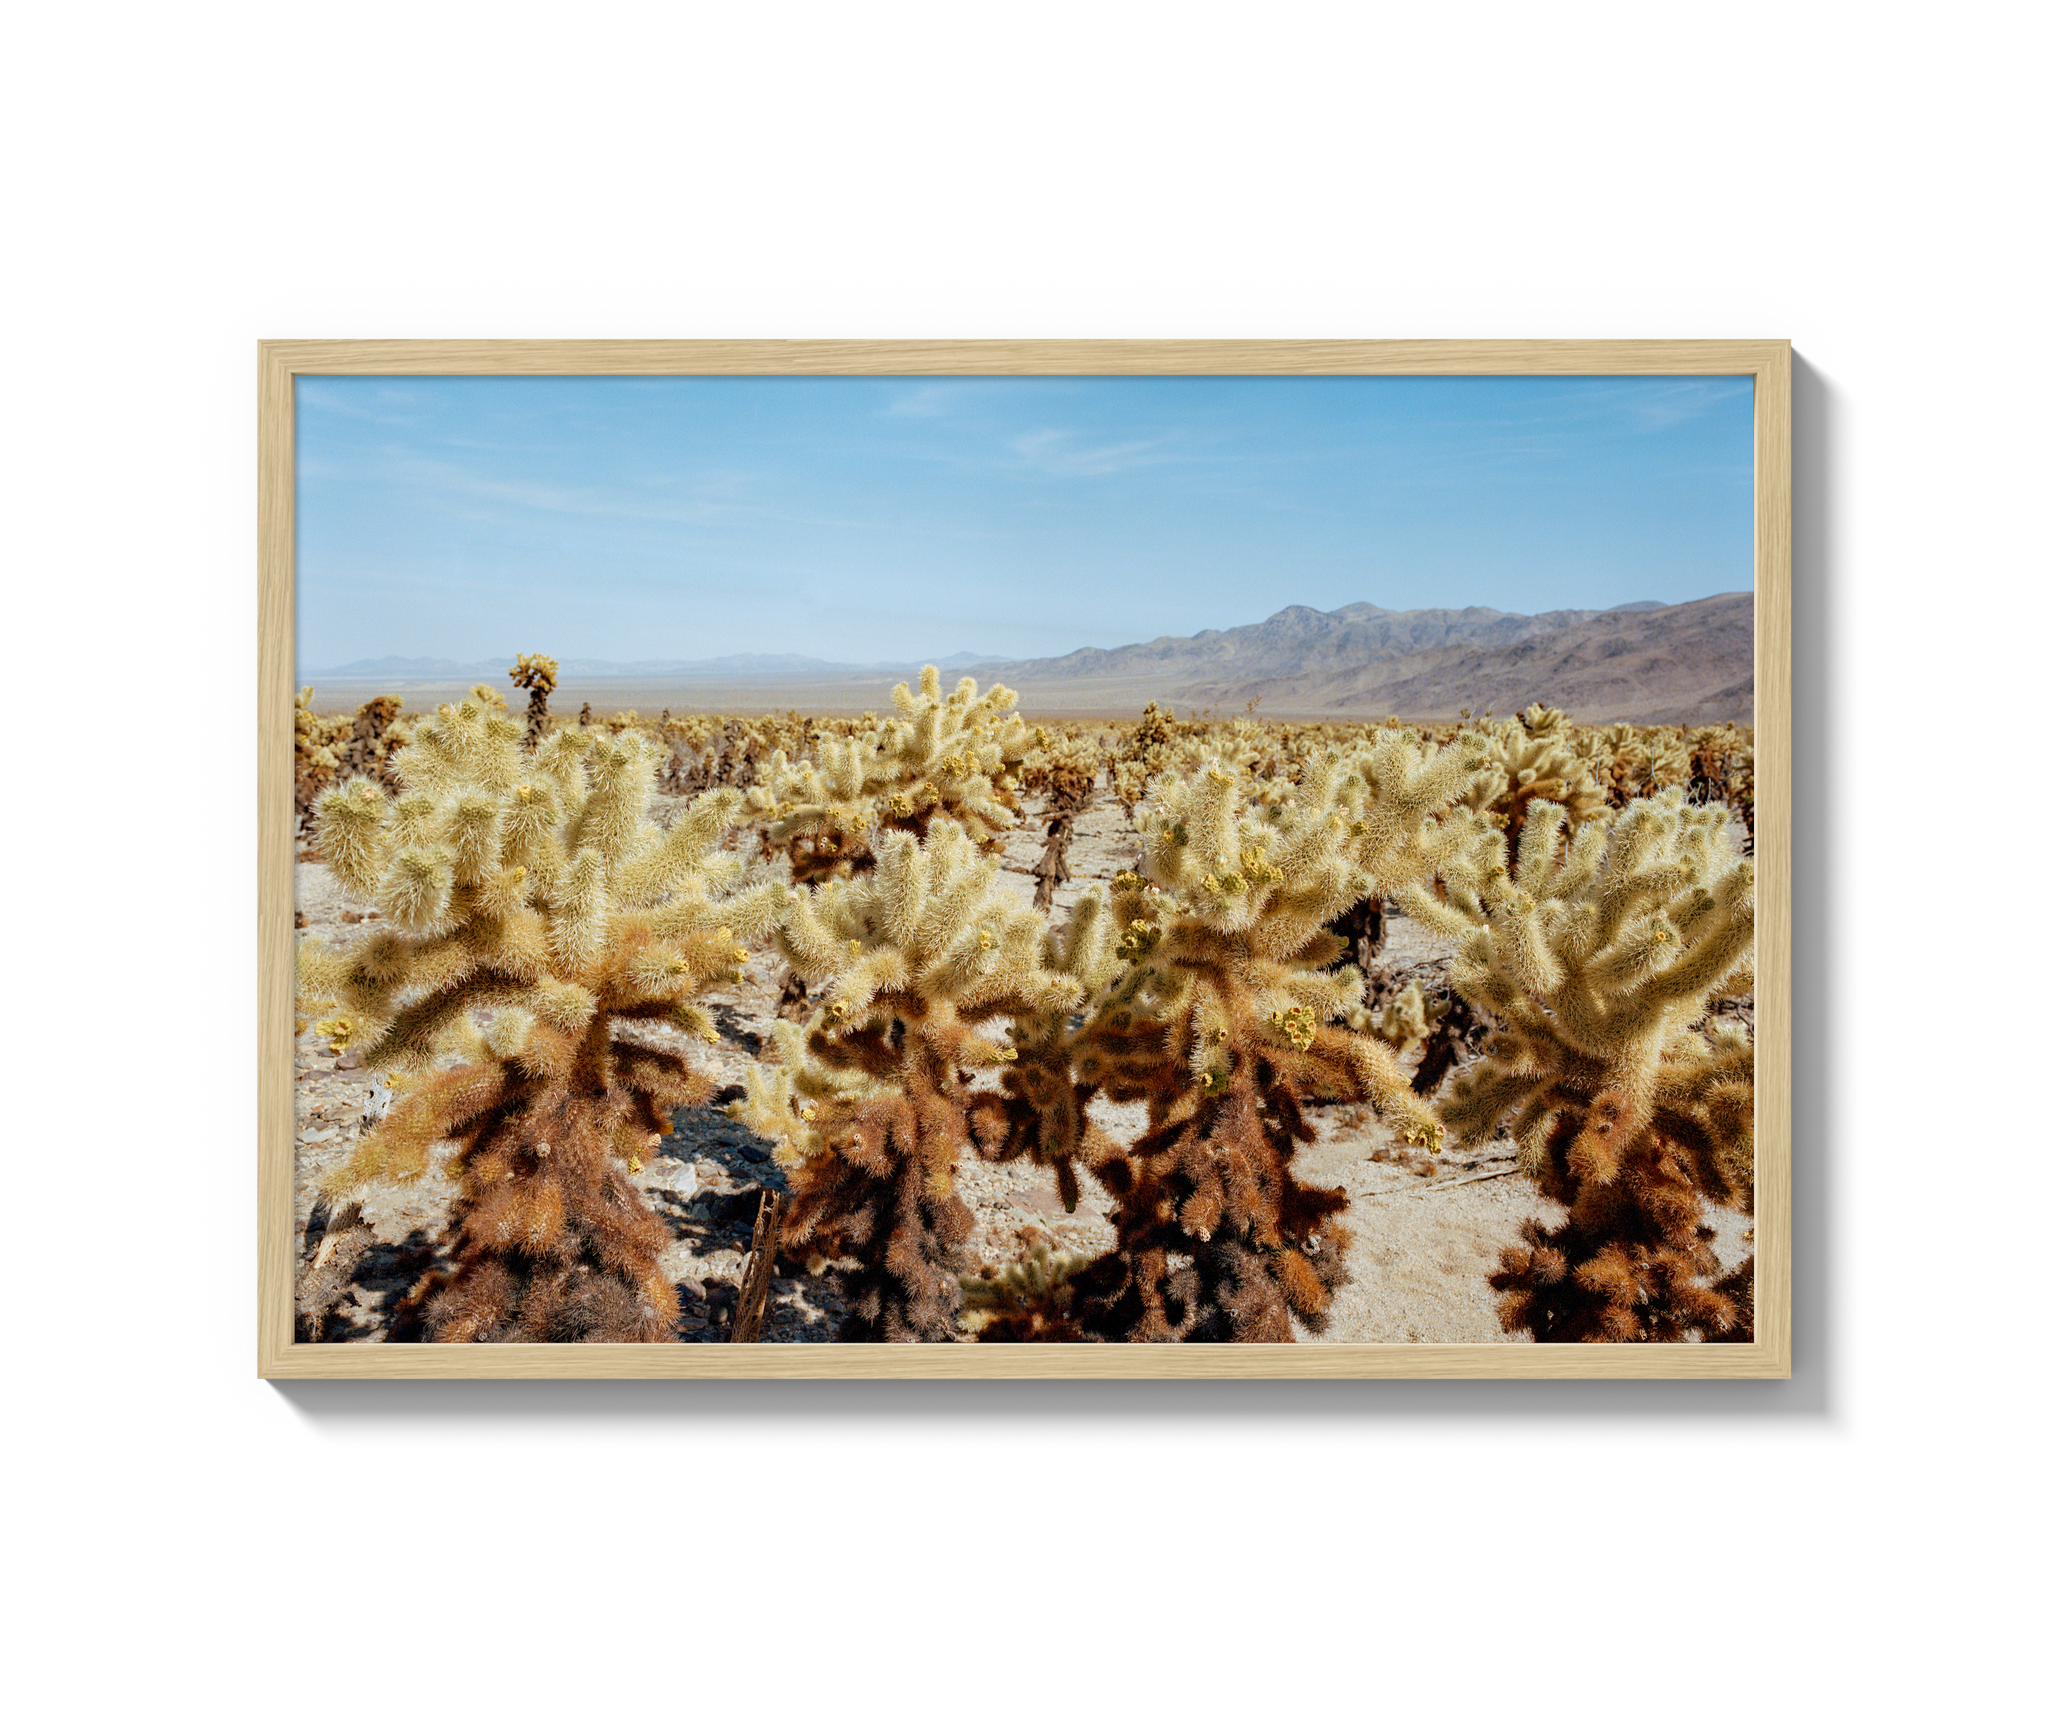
[[1426, 1232]]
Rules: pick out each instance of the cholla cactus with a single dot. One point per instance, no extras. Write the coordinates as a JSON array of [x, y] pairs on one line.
[[1027, 1300], [668, 753], [1532, 758], [329, 750], [1221, 1022], [535, 910], [1150, 740], [952, 758], [728, 753], [870, 1108], [1598, 962], [537, 674], [1253, 751], [1603, 748], [1127, 783], [1634, 763], [317, 743], [375, 736], [1062, 765], [1407, 1016], [1151, 735], [1721, 761], [1042, 1114], [1064, 770]]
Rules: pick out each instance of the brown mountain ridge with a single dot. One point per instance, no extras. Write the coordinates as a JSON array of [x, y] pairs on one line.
[[1644, 662]]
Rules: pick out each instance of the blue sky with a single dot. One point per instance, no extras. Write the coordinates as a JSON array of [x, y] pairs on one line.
[[887, 519]]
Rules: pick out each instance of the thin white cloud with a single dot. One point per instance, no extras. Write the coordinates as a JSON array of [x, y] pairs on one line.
[[351, 406], [930, 401], [706, 497], [1681, 401], [1062, 453], [722, 497], [1637, 404]]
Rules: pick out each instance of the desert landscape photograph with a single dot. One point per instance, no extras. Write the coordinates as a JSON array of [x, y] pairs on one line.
[[1024, 859]]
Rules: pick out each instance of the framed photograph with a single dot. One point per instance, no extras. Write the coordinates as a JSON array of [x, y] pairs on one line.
[[926, 375]]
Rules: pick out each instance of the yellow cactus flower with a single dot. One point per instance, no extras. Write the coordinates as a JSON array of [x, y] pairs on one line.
[[1297, 1025]]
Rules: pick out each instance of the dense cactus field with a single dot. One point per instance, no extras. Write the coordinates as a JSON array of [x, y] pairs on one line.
[[941, 1024]]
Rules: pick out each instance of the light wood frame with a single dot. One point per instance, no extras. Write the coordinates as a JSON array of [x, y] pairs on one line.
[[1768, 362]]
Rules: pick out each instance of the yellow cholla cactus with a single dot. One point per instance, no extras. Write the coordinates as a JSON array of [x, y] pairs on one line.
[[1219, 1015], [1025, 1300], [534, 908], [871, 1110], [945, 757], [1599, 961]]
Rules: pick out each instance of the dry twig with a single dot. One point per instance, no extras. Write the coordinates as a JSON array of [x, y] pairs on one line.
[[760, 1271]]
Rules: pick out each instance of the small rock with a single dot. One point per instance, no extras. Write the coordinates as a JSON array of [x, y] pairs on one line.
[[753, 1154]]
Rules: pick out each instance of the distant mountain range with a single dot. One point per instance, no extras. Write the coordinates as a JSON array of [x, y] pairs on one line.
[[1691, 662], [1641, 662], [440, 668], [1305, 642]]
